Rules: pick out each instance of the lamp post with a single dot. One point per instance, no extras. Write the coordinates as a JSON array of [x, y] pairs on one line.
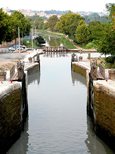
[[32, 38], [19, 41]]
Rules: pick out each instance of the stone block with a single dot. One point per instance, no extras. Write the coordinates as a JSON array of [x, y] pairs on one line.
[[112, 74], [2, 76]]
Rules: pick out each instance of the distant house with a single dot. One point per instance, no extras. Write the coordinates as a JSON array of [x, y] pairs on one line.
[[45, 21]]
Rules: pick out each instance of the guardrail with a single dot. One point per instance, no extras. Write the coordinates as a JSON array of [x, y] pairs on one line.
[[2, 76], [95, 73], [12, 72]]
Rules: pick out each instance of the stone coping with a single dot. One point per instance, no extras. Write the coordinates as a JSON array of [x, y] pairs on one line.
[[83, 64], [7, 87], [106, 85]]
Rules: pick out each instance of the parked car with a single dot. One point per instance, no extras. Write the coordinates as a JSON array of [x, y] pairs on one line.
[[12, 48], [22, 47]]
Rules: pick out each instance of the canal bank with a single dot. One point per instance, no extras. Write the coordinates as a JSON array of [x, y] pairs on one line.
[[14, 104], [100, 102]]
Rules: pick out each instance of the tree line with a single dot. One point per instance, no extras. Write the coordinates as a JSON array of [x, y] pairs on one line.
[[92, 35], [9, 26]]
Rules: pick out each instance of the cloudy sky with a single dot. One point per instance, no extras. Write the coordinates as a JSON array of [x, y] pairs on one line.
[[73, 5]]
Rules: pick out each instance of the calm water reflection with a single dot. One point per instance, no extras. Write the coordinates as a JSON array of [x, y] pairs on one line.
[[58, 122], [52, 40]]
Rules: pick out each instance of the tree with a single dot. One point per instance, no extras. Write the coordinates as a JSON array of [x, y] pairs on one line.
[[41, 24], [111, 7], [95, 29], [45, 26], [69, 22], [18, 20], [106, 43], [37, 21], [82, 34], [5, 27], [52, 22]]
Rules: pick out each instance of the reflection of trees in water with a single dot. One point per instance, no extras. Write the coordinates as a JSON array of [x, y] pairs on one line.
[[78, 78], [34, 77], [93, 142], [53, 41]]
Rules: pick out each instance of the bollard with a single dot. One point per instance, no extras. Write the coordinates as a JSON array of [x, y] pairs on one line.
[[80, 58], [89, 55], [112, 74], [30, 59], [20, 71]]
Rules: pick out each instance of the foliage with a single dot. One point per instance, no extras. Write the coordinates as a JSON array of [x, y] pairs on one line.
[[111, 8], [90, 45], [41, 24], [29, 45], [95, 29], [55, 12], [52, 22], [82, 34], [39, 39], [106, 44], [45, 26], [38, 21], [18, 20], [69, 22], [9, 25], [5, 27], [95, 17], [110, 59]]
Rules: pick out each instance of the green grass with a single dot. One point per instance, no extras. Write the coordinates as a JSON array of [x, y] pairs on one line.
[[29, 45], [49, 32], [67, 43]]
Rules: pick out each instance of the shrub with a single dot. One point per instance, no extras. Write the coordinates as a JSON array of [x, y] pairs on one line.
[[110, 59], [40, 40], [90, 45]]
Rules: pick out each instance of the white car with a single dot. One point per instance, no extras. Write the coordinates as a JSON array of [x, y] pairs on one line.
[[12, 48], [21, 47]]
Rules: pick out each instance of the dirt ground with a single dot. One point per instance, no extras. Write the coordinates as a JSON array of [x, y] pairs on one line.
[[9, 59]]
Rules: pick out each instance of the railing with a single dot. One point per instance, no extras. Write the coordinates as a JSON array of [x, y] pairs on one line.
[[95, 73], [2, 76], [102, 70], [12, 72], [74, 58], [52, 48]]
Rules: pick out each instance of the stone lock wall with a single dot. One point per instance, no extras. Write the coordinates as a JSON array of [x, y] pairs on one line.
[[104, 108], [79, 69], [10, 118], [100, 106]]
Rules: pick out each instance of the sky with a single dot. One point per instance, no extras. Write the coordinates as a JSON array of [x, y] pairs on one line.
[[73, 5]]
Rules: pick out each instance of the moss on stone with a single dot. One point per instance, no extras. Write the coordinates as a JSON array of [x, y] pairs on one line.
[[104, 110], [10, 117], [79, 70]]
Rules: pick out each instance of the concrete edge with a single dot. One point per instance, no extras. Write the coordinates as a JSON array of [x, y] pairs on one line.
[[9, 88]]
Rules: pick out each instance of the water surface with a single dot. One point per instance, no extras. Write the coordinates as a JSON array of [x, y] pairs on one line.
[[58, 121]]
